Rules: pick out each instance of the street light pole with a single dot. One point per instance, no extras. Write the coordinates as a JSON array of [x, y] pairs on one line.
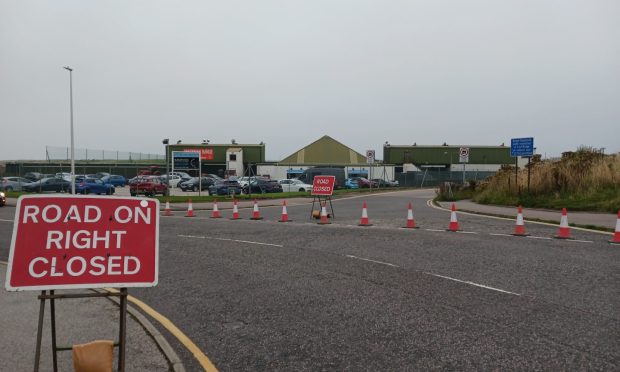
[[165, 142], [72, 143]]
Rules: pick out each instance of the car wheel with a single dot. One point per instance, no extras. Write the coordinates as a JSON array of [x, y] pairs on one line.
[[132, 193], [108, 192], [194, 188], [300, 190], [8, 188]]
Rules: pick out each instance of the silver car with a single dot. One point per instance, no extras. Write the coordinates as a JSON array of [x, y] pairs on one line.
[[13, 183]]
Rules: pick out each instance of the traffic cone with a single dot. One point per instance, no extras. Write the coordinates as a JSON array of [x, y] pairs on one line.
[[616, 238], [564, 232], [284, 217], [167, 210], [410, 219], [216, 211], [256, 212], [190, 209], [235, 215], [364, 220], [520, 226], [454, 223], [324, 220]]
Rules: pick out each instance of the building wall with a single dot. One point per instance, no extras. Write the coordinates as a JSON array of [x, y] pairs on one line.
[[430, 155]]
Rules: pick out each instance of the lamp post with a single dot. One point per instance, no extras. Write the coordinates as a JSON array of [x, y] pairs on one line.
[[71, 109], [166, 141]]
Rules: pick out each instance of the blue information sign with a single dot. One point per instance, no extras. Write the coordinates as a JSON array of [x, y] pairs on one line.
[[185, 160], [522, 146]]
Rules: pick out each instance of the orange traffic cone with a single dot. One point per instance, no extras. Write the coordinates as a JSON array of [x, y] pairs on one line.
[[364, 220], [190, 209], [410, 219], [216, 211], [167, 210], [454, 223], [256, 212], [235, 215], [616, 238], [324, 220], [284, 217], [564, 232], [520, 226]]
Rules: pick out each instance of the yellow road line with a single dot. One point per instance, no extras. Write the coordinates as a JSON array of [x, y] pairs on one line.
[[189, 344]]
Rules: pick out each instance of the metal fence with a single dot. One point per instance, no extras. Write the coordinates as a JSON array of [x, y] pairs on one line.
[[53, 153], [429, 178]]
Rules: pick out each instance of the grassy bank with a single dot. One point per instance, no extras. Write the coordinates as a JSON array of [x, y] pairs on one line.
[[584, 180]]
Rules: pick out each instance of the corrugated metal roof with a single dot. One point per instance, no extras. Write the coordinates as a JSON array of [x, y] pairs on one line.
[[325, 150]]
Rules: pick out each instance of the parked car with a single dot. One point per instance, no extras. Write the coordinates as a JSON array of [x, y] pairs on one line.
[[182, 177], [364, 182], [115, 180], [48, 184], [225, 187], [93, 185], [381, 182], [13, 183], [350, 183], [2, 199], [261, 186], [33, 176], [173, 180], [102, 174], [192, 184], [64, 175], [148, 185], [294, 185]]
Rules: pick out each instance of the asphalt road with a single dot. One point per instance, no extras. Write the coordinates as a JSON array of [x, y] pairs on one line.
[[263, 295]]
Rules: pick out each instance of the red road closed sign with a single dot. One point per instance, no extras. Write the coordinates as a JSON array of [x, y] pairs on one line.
[[83, 242], [323, 185]]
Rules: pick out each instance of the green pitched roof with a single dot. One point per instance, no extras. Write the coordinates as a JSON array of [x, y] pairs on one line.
[[325, 151]]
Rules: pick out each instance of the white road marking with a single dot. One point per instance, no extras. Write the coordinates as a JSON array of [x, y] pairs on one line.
[[472, 283], [500, 234], [579, 241], [369, 260], [6, 220], [435, 230], [539, 237], [466, 232], [230, 240]]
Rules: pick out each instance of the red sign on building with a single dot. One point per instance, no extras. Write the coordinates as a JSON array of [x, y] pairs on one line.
[[205, 154], [323, 185], [83, 242]]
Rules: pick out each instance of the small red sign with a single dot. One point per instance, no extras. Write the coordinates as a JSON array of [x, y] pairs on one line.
[[83, 242], [323, 185], [205, 154]]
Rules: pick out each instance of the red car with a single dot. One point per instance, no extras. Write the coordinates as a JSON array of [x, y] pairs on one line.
[[149, 186]]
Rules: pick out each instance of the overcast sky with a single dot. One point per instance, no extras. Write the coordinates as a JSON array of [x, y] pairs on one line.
[[288, 72]]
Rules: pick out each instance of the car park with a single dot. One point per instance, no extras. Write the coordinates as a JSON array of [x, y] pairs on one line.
[[94, 186], [148, 185], [294, 185], [192, 184], [262, 186], [225, 187], [115, 180], [2, 199], [13, 183], [48, 184]]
